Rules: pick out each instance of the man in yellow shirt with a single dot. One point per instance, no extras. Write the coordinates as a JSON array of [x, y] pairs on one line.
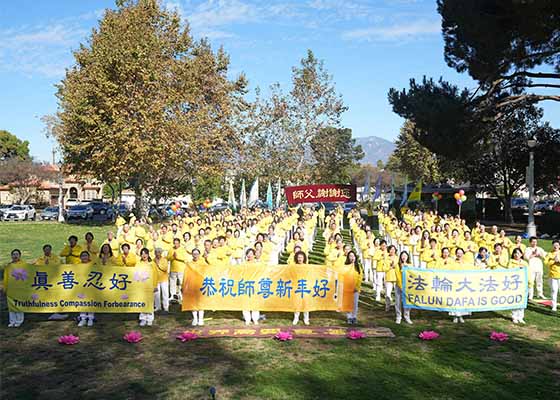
[[47, 258], [178, 258], [126, 258], [552, 260], [72, 251]]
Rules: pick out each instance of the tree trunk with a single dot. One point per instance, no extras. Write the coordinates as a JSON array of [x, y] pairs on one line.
[[138, 201], [508, 215]]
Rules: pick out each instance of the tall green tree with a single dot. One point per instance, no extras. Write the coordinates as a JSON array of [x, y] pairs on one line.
[[147, 104], [335, 155], [412, 159], [13, 147]]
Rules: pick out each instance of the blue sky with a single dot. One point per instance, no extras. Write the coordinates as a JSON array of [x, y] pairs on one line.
[[368, 46]]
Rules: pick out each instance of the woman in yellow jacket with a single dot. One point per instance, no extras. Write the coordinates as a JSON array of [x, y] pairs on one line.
[[404, 260], [237, 245], [352, 263], [177, 256], [552, 260], [379, 261], [90, 246], [430, 255], [251, 315], [48, 258], [389, 267], [300, 259], [197, 263], [517, 261], [15, 317], [105, 256], [161, 270], [147, 263], [72, 251], [126, 258]]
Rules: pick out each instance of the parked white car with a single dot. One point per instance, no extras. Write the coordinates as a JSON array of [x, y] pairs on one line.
[[19, 213]]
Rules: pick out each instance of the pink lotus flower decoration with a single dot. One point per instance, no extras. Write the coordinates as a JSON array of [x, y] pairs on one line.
[[68, 339], [19, 274], [35, 296], [428, 335], [354, 335], [133, 337], [187, 336], [81, 296], [499, 336], [141, 276], [283, 336], [124, 297]]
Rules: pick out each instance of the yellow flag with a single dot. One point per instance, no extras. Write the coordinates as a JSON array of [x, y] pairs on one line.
[[416, 193]]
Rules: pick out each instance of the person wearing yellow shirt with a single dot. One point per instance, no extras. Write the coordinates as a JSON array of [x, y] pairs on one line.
[[106, 256], [518, 244], [251, 315], [507, 244], [15, 318], [469, 246], [237, 246], [140, 231], [552, 260], [198, 264], [72, 251], [90, 246], [389, 267], [177, 256], [85, 318], [126, 258], [188, 244], [127, 236], [517, 261], [111, 241], [161, 271], [119, 223], [48, 258], [535, 256], [404, 260], [147, 318], [300, 259], [139, 245], [499, 258], [430, 256], [352, 264], [379, 259], [445, 261]]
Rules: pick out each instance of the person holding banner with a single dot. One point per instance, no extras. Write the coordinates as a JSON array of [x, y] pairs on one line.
[[553, 263], [352, 264], [404, 260], [72, 251], [249, 315], [300, 259], [161, 271], [459, 253], [85, 317], [517, 261], [146, 262], [197, 263], [15, 318]]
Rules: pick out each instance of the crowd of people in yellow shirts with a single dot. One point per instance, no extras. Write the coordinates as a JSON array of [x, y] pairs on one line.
[[251, 236], [427, 240]]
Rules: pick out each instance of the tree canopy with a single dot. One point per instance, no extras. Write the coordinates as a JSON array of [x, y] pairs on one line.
[[13, 147]]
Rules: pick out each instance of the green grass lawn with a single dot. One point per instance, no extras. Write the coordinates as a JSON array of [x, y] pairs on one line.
[[462, 364]]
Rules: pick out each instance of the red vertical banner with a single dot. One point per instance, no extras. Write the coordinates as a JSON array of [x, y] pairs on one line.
[[320, 194]]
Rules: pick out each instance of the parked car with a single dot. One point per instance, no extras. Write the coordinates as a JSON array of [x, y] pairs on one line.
[[4, 208], [71, 203], [50, 213], [544, 205], [102, 211], [80, 211], [556, 207], [349, 206], [519, 204], [19, 213], [218, 207]]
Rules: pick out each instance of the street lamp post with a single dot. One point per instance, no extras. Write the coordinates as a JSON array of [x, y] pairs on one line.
[[531, 227]]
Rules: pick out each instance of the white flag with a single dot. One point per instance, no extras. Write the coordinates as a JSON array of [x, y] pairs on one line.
[[254, 193]]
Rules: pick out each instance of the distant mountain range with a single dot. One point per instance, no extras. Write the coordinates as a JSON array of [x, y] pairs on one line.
[[375, 148]]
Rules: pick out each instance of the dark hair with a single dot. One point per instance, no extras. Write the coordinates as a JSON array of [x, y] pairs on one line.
[[556, 241], [407, 256], [84, 252], [195, 249], [297, 253], [459, 248], [516, 250], [176, 240], [356, 265], [444, 248], [496, 245], [89, 233], [125, 245], [532, 238], [483, 248], [249, 251], [73, 237], [383, 241], [47, 245], [145, 250], [110, 250], [15, 251], [433, 240]]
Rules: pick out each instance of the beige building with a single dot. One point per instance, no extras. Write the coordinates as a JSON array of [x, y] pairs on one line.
[[46, 191]]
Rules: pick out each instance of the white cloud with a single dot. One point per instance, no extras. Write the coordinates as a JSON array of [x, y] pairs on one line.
[[394, 32]]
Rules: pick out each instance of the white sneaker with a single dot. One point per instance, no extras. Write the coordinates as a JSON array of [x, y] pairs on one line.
[[90, 322], [194, 322], [256, 322], [82, 322], [554, 309], [455, 320], [461, 320], [295, 321], [398, 321], [515, 321], [542, 296], [17, 324], [149, 323], [408, 321], [522, 322], [142, 322], [201, 322], [247, 322], [306, 322], [11, 325]]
